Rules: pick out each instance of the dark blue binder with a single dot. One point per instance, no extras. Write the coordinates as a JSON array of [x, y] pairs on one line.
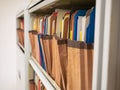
[[41, 53], [79, 13], [91, 28]]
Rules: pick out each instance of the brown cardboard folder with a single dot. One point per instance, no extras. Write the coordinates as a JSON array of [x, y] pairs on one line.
[[79, 69], [88, 52], [75, 67], [66, 20], [32, 42], [56, 56], [37, 49], [20, 33], [62, 47], [56, 68], [47, 40], [53, 20], [32, 85]]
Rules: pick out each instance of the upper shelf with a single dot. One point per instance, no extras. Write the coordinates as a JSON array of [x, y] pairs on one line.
[[20, 14], [50, 5], [34, 2]]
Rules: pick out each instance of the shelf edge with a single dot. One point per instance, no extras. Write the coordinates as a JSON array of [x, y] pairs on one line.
[[23, 49], [42, 5], [20, 14]]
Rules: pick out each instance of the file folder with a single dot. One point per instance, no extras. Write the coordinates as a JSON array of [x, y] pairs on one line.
[[37, 49], [56, 65], [53, 23], [72, 25], [49, 18], [79, 28], [35, 23], [85, 24], [22, 24], [90, 28], [76, 68], [43, 25], [65, 28], [79, 13], [60, 15], [39, 25], [88, 58], [39, 85], [19, 35], [62, 47], [22, 38], [41, 20], [32, 41], [47, 41], [46, 25], [32, 85], [41, 52]]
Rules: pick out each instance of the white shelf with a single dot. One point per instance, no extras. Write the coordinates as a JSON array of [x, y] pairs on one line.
[[34, 2], [42, 5], [21, 47], [48, 82], [48, 6]]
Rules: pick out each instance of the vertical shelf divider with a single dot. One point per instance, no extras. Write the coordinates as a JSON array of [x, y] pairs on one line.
[[27, 47], [98, 44]]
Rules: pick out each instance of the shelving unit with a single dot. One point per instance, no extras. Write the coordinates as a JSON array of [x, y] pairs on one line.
[[47, 7], [43, 7]]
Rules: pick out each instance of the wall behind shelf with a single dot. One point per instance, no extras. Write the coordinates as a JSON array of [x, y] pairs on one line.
[[8, 10]]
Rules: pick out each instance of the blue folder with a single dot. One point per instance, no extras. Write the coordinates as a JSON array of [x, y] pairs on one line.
[[41, 53], [91, 28], [79, 13]]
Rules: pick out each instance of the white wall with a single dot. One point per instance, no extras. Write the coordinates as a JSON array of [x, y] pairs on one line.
[[8, 10]]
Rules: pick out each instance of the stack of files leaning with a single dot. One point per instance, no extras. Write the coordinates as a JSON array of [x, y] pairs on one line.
[[36, 47], [80, 50], [65, 47], [20, 32]]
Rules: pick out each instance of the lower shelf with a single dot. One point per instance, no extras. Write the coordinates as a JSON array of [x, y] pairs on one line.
[[48, 82]]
